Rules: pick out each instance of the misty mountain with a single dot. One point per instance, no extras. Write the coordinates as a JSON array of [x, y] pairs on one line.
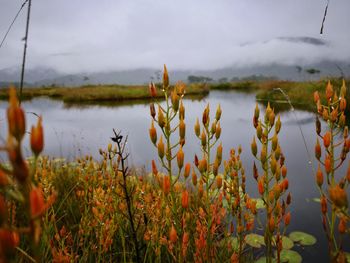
[[47, 77]]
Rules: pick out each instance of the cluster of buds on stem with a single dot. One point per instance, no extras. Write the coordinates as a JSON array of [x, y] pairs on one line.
[[330, 143], [163, 118], [243, 208], [272, 179], [18, 180], [209, 135]]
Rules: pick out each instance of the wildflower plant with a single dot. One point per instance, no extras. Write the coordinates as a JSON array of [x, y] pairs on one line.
[[270, 175], [22, 200], [332, 185]]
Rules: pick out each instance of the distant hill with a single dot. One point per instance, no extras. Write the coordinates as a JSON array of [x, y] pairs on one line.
[[47, 77]]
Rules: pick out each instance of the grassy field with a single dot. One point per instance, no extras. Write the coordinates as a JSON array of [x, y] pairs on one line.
[[299, 93], [98, 93]]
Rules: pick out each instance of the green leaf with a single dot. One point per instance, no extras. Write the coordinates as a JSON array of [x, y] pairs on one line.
[[259, 203], [263, 260], [254, 240], [287, 243], [290, 256], [347, 256], [303, 238], [234, 243]]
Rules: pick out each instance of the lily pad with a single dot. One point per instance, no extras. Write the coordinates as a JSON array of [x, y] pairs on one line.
[[303, 238], [347, 256], [254, 240], [263, 260], [290, 256], [287, 243]]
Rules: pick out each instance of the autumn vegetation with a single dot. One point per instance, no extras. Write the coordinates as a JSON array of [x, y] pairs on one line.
[[105, 211]]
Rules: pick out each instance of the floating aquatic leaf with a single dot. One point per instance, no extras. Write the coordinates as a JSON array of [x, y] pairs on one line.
[[263, 260], [290, 256], [254, 240], [287, 243], [303, 238]]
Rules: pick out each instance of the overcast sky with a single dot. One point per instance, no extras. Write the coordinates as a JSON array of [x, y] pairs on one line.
[[97, 35]]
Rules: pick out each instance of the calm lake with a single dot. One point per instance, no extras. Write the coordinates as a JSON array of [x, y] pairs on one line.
[[77, 131]]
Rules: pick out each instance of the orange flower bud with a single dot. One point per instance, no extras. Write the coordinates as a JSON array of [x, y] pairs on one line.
[[187, 170], [342, 226], [203, 165], [197, 128], [325, 114], [160, 147], [329, 91], [254, 147], [153, 133], [203, 139], [318, 150], [278, 124], [216, 167], [8, 240], [289, 199], [185, 238], [194, 177], [328, 164], [205, 117], [182, 129], [319, 177], [334, 115], [37, 204], [152, 110], [184, 199], [37, 138], [173, 234], [3, 179], [218, 131], [152, 90], [285, 184], [274, 142], [263, 155], [218, 182], [323, 205], [318, 126], [15, 117], [259, 131], [327, 139], [287, 219], [316, 96], [180, 158], [255, 172], [261, 186], [196, 162], [256, 111], [182, 111], [175, 99], [342, 104], [272, 118], [161, 118], [219, 153], [284, 171], [342, 120], [154, 168], [343, 90], [272, 224], [166, 184], [165, 78], [338, 196], [218, 113]]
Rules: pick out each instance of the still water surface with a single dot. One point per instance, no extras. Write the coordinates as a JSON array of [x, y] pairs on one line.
[[77, 131]]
